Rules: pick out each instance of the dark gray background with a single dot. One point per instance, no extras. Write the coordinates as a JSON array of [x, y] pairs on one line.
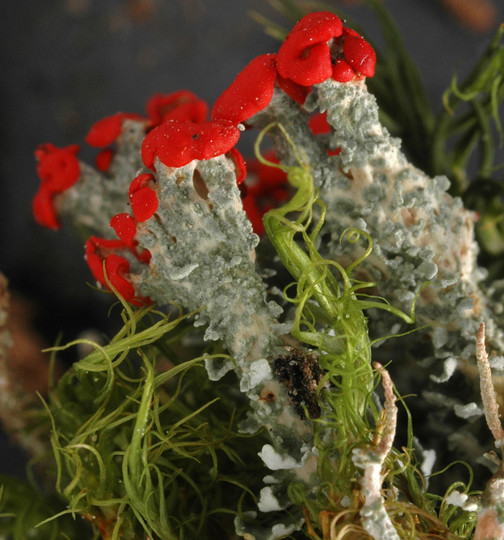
[[66, 63]]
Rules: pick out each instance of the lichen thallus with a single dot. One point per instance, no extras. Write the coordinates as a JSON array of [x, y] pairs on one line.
[[330, 303]]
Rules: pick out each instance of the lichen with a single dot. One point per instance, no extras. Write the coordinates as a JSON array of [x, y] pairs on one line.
[[241, 393]]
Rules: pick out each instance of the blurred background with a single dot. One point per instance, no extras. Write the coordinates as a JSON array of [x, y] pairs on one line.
[[66, 63]]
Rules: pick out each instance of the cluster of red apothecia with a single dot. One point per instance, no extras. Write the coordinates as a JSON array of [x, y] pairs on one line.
[[178, 131]]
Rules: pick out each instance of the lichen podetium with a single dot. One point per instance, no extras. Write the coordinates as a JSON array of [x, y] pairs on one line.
[[263, 301]]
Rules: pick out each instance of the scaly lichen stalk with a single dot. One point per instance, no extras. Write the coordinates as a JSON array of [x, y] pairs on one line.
[[201, 235], [375, 519], [99, 195], [364, 232], [420, 233]]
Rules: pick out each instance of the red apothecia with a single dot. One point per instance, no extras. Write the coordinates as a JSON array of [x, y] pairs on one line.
[[178, 131]]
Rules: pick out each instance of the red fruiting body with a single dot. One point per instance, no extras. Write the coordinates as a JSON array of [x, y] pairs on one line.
[[318, 124], [177, 143], [104, 158], [249, 93], [144, 203], [144, 256], [94, 262], [268, 177], [58, 168], [342, 71], [125, 227], [182, 106], [47, 148], [360, 55], [254, 213], [143, 199], [43, 209], [350, 32], [241, 169], [297, 92], [105, 131], [140, 181], [115, 268], [99, 250], [305, 56], [270, 188]]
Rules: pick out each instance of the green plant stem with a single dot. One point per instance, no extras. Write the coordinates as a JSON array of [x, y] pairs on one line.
[[315, 279]]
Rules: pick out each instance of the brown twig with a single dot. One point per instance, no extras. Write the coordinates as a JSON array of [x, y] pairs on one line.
[[488, 397], [23, 371]]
